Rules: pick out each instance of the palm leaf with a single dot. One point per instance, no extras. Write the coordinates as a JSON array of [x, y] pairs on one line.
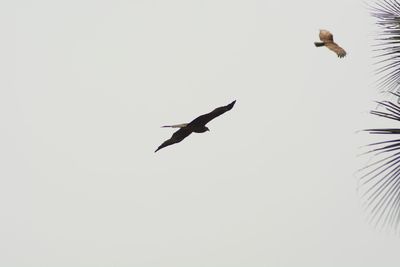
[[387, 48], [380, 180]]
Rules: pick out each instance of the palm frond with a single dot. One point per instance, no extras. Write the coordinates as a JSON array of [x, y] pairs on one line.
[[380, 180], [387, 14]]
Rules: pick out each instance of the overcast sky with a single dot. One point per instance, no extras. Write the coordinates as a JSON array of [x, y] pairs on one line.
[[86, 86]]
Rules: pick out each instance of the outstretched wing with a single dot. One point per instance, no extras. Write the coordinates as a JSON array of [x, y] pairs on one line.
[[337, 49], [178, 136], [204, 119], [176, 125]]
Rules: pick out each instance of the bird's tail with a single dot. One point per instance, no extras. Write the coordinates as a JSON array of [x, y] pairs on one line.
[[176, 125], [318, 44]]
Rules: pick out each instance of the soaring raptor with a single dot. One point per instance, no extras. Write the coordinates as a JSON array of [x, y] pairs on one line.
[[327, 40], [197, 125]]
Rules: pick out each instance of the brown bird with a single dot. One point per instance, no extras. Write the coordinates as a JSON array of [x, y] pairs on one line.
[[197, 125], [327, 40]]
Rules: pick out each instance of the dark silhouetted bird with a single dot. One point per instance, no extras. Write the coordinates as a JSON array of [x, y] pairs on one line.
[[198, 125], [327, 40]]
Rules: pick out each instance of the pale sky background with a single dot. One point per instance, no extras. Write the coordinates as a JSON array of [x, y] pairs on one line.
[[86, 86]]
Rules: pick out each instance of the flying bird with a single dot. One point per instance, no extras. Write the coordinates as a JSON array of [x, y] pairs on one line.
[[197, 125], [327, 40]]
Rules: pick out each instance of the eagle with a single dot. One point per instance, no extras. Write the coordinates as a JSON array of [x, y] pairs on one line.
[[197, 125], [327, 40]]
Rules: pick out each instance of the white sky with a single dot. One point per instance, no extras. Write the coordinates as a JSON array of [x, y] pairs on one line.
[[86, 86]]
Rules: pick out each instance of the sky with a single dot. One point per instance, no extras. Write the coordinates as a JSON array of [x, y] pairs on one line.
[[86, 86]]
